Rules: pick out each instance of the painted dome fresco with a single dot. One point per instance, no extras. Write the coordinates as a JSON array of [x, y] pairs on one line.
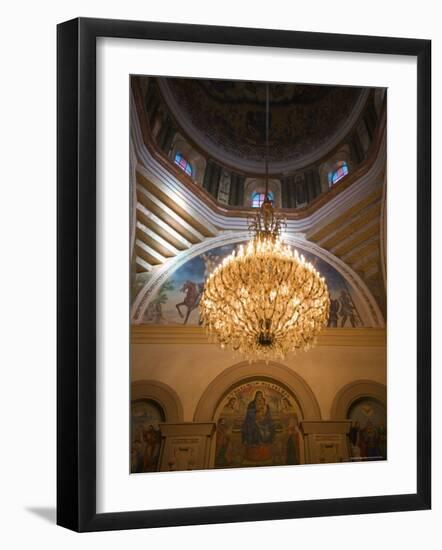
[[227, 118]]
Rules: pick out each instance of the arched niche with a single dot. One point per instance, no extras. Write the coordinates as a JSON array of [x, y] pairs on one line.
[[253, 185], [355, 391], [232, 377], [160, 393]]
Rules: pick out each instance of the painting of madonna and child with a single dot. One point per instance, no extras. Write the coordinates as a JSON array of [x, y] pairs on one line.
[[259, 425], [201, 398]]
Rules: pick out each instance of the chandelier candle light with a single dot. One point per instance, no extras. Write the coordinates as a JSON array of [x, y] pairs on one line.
[[265, 300]]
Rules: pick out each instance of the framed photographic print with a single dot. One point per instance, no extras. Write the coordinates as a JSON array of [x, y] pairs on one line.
[[243, 274]]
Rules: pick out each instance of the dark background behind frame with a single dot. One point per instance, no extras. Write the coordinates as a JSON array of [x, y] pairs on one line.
[[76, 290]]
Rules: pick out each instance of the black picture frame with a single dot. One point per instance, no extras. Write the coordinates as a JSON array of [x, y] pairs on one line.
[[76, 274]]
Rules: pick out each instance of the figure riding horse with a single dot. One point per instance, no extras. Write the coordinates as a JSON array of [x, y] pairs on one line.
[[193, 293]]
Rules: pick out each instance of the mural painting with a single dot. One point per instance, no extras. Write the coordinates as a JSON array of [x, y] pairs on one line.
[[368, 433], [231, 114], [176, 302], [146, 416], [258, 425]]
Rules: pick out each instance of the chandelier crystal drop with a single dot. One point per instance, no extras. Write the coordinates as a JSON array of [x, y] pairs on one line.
[[265, 300]]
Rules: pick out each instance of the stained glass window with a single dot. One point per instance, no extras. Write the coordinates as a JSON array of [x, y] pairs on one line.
[[258, 198], [183, 163], [338, 173]]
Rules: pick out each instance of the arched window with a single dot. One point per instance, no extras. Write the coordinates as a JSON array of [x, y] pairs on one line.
[[340, 171], [258, 198], [183, 163]]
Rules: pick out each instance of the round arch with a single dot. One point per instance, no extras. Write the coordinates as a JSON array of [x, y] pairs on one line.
[[161, 393], [366, 300], [350, 393], [242, 372]]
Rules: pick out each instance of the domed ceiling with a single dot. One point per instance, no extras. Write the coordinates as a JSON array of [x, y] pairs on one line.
[[227, 119]]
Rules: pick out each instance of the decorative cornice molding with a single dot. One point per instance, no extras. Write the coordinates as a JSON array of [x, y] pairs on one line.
[[188, 335]]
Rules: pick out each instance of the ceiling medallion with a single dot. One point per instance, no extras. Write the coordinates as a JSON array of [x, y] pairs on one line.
[[265, 300]]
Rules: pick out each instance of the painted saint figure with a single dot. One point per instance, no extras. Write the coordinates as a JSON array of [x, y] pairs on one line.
[[348, 310], [382, 434], [152, 440], [293, 442], [370, 441], [223, 452], [333, 313], [258, 428]]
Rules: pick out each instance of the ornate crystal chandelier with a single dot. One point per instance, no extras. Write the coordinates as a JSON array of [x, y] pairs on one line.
[[265, 300]]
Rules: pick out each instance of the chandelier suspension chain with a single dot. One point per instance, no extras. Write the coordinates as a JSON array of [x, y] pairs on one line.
[[265, 300], [267, 143]]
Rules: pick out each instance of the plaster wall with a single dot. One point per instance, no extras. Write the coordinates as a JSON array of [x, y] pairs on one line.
[[188, 369]]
